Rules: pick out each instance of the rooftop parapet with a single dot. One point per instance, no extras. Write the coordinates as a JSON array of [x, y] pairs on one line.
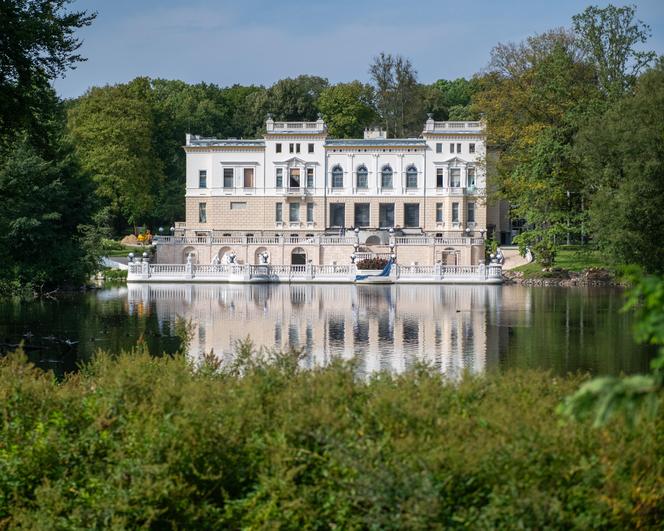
[[300, 128], [431, 126]]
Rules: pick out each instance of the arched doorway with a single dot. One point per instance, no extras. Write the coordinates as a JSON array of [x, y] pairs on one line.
[[298, 256], [225, 254], [259, 258], [450, 257], [185, 254], [373, 240]]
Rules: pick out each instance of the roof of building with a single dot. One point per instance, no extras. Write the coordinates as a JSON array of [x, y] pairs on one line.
[[374, 142], [230, 142]]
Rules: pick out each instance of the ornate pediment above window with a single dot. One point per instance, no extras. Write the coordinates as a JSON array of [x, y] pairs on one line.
[[454, 161], [296, 161]]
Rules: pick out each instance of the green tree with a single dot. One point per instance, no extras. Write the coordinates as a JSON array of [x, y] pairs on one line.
[[398, 95], [295, 98], [113, 129], [450, 99], [627, 213], [45, 214], [348, 109], [37, 44], [534, 96], [609, 37]]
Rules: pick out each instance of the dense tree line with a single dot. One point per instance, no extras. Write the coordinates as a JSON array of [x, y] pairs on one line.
[[573, 115]]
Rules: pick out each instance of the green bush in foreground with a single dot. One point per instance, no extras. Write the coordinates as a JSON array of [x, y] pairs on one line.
[[138, 441]]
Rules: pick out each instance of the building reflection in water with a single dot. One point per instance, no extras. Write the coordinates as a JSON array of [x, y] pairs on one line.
[[386, 327]]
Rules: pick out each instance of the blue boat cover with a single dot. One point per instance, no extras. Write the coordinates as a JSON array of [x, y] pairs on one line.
[[384, 273]]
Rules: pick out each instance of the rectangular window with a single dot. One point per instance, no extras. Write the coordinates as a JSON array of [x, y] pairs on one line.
[[451, 148], [455, 212], [278, 146], [439, 212], [310, 212], [280, 178], [202, 179], [297, 148], [248, 177], [361, 214], [228, 177], [337, 215], [471, 177], [386, 215], [455, 177], [386, 178], [439, 147], [294, 181], [310, 148], [310, 177], [471, 213], [278, 212], [440, 178], [294, 212], [458, 148], [362, 178], [291, 148], [202, 214], [471, 148], [238, 205], [411, 178], [337, 178], [411, 215]]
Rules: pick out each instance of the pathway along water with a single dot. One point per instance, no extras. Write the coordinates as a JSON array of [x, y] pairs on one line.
[[455, 328]]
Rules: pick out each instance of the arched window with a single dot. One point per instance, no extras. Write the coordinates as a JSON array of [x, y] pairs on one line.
[[362, 177], [386, 177], [337, 177], [411, 177]]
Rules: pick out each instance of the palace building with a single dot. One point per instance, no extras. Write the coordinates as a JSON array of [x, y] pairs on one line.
[[298, 196]]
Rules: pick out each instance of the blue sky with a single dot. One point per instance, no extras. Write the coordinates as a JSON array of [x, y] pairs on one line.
[[261, 41]]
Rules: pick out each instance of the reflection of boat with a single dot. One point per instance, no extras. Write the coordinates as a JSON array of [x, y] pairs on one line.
[[381, 278]]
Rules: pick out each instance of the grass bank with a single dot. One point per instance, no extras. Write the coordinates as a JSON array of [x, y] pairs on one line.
[[570, 259], [137, 441]]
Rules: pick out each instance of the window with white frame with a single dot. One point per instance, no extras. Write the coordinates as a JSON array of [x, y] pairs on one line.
[[310, 148], [411, 177], [294, 180], [362, 177], [294, 212], [455, 177], [386, 215], [310, 212], [202, 213], [278, 148], [337, 177], [455, 212], [291, 148], [248, 178], [386, 177], [279, 178], [297, 148], [471, 177], [452, 148], [202, 178], [278, 212], [439, 212], [439, 147], [458, 148], [310, 178], [411, 215], [337, 215], [471, 212], [471, 148], [228, 177], [440, 178]]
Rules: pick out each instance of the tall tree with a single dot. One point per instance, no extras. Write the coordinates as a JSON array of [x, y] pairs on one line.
[[37, 44], [113, 129], [398, 95], [609, 37], [535, 95], [348, 108], [295, 98], [627, 213]]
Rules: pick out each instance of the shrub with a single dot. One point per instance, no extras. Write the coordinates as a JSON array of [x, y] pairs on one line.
[[138, 441], [372, 263]]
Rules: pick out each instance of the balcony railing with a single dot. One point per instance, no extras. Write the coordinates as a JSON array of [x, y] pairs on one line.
[[311, 240]]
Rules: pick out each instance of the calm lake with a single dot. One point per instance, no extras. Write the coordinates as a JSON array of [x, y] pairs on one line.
[[455, 328]]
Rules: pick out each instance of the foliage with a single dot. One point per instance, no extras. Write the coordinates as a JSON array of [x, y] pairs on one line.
[[38, 45], [568, 258], [635, 396], [113, 131], [609, 37], [45, 214], [628, 207], [397, 95], [372, 263], [137, 441], [347, 108], [451, 99]]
